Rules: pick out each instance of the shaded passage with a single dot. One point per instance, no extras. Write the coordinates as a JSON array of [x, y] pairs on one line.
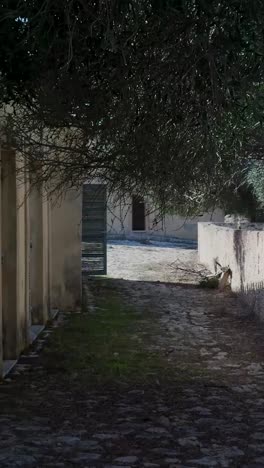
[[149, 375]]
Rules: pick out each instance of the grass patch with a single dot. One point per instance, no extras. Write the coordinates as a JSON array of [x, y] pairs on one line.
[[107, 344], [113, 344]]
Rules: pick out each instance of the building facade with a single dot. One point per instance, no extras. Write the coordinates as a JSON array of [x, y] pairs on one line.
[[40, 245], [136, 218]]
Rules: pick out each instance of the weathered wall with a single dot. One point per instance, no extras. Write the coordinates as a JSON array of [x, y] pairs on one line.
[[243, 251], [1, 318], [66, 217], [39, 255], [15, 253], [54, 266], [119, 222]]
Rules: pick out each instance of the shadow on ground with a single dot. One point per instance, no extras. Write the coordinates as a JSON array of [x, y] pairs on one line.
[[148, 375]]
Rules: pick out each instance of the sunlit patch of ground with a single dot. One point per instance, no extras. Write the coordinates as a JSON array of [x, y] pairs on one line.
[[157, 261]]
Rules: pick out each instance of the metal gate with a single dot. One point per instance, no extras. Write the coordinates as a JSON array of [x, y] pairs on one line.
[[94, 244]]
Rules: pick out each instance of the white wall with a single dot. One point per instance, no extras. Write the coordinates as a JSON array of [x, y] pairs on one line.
[[39, 255], [119, 222], [15, 254], [66, 223], [243, 251]]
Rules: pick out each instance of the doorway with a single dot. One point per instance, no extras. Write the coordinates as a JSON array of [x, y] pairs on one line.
[[138, 214]]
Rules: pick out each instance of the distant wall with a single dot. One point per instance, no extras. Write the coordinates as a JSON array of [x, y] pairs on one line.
[[119, 222], [243, 251]]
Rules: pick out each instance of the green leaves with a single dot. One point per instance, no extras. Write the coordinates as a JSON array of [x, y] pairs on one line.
[[160, 96], [255, 179]]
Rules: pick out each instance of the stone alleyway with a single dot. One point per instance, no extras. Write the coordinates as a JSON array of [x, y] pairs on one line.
[[188, 390]]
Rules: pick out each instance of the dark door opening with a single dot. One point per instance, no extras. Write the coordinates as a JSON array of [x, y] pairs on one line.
[[138, 214]]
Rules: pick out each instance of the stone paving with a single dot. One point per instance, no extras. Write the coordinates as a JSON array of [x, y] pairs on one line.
[[212, 415]]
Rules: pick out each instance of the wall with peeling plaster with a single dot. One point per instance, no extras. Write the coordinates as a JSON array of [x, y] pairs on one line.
[[243, 251]]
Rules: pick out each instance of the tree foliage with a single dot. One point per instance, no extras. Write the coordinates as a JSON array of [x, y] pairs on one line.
[[255, 179], [159, 97]]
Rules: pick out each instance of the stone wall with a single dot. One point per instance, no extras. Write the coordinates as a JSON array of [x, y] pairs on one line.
[[243, 251]]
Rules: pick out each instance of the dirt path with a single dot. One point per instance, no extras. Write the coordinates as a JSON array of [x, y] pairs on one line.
[[153, 261], [155, 375]]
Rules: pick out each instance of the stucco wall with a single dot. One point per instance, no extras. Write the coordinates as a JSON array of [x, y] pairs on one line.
[[15, 251], [243, 251], [66, 220], [39, 239], [119, 222]]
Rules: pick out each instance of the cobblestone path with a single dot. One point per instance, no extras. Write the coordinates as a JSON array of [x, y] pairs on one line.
[[210, 413]]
